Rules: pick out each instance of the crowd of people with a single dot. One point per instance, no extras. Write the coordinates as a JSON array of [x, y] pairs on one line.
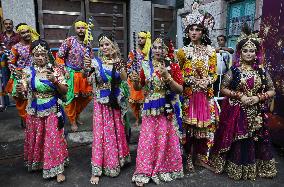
[[173, 96]]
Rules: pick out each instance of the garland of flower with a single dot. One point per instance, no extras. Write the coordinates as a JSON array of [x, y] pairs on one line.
[[188, 72]]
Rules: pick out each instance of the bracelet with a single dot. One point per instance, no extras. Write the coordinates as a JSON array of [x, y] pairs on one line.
[[169, 80], [236, 95], [259, 97], [240, 95], [263, 96], [56, 82], [266, 96], [233, 94]]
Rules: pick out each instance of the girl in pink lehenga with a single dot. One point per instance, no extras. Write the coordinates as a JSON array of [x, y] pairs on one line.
[[159, 153], [45, 147], [109, 149]]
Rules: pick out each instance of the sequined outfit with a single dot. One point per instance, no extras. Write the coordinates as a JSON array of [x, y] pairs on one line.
[[110, 151], [71, 55], [45, 146], [200, 112], [242, 146], [136, 97], [8, 42], [159, 152], [19, 58]]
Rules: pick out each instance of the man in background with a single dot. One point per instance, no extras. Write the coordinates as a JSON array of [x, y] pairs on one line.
[[8, 38], [224, 62]]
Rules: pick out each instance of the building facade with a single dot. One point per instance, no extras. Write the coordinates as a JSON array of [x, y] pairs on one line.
[[229, 17], [54, 18]]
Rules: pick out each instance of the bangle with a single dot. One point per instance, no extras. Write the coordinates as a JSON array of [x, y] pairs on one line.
[[169, 80], [263, 96], [259, 96], [233, 94], [56, 82], [240, 95], [266, 96]]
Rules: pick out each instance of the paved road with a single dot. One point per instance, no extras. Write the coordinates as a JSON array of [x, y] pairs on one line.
[[13, 173]]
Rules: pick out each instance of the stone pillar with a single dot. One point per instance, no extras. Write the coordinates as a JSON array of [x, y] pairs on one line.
[[20, 11], [218, 9], [140, 18], [258, 13]]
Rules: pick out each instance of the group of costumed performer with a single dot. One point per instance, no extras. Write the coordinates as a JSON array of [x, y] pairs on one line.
[[19, 59], [198, 62], [135, 59], [108, 76], [70, 57], [43, 85], [159, 153], [239, 145]]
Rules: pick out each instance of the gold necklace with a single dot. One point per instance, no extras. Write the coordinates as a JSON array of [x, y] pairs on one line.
[[156, 63], [246, 67]]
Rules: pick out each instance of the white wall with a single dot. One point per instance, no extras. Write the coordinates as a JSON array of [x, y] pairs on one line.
[[140, 18], [218, 10], [20, 11]]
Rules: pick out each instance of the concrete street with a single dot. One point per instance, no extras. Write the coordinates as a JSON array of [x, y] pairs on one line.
[[13, 173]]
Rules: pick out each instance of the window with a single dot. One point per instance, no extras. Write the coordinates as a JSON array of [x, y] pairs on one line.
[[239, 13]]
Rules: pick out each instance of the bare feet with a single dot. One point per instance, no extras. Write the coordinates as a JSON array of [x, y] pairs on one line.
[[139, 184], [94, 180], [74, 127], [205, 165], [79, 122], [60, 178], [189, 164]]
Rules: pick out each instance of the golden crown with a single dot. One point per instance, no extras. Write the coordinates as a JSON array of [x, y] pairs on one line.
[[40, 49]]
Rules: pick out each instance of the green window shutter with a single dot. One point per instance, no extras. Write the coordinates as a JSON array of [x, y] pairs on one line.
[[179, 4], [239, 13]]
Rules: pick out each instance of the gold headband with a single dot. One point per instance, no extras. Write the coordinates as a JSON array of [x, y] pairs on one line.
[[39, 48], [105, 38], [250, 45], [159, 40]]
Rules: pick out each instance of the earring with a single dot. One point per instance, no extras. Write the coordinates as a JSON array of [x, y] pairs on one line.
[[186, 35], [241, 59], [100, 53]]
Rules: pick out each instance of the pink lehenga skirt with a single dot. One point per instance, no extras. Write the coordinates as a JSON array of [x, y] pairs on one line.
[[159, 153], [109, 149], [45, 146], [201, 111], [200, 118]]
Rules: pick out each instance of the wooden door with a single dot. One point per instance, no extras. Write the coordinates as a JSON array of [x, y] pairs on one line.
[[163, 14], [102, 11], [56, 18]]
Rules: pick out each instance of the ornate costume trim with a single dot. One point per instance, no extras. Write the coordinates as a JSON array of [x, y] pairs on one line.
[[112, 172], [49, 173], [262, 168], [197, 17], [33, 166], [198, 61], [158, 178]]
